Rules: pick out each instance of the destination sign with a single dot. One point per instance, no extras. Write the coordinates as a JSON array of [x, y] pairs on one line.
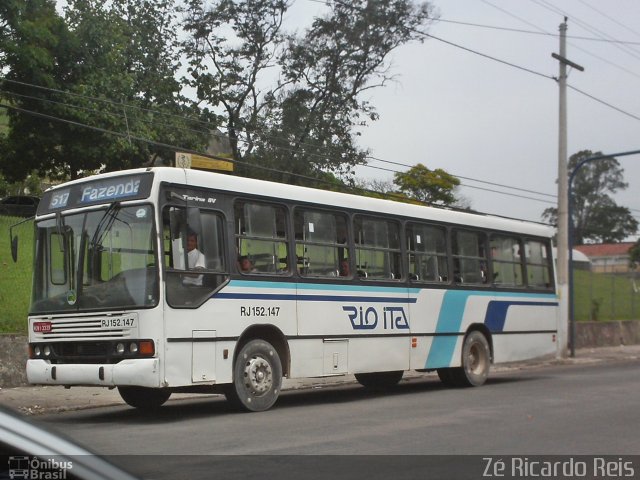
[[91, 192]]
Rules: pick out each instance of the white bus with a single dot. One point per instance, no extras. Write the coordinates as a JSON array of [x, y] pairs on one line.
[[167, 280]]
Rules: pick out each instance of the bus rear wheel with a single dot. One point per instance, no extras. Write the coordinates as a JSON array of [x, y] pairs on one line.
[[476, 360], [379, 380], [257, 377], [144, 398]]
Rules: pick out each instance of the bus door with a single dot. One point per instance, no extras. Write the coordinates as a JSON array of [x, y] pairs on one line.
[[194, 269]]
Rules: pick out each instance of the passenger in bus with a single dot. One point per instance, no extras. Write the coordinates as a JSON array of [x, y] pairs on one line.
[[245, 265], [344, 268], [196, 259]]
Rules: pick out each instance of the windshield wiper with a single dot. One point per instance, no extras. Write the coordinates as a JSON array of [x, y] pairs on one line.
[[60, 227], [104, 225]]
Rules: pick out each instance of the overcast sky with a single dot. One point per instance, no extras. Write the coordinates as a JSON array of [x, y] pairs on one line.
[[480, 119]]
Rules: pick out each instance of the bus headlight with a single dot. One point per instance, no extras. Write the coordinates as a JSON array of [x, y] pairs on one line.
[[120, 348], [37, 351], [133, 347], [47, 350]]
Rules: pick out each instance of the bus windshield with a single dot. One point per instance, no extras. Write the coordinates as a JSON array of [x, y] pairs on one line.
[[96, 260]]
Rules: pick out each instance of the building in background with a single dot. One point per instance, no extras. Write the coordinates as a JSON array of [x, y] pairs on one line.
[[608, 257]]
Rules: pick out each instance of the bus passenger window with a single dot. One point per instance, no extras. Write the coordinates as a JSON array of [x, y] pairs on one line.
[[506, 261], [377, 248], [469, 257], [321, 242], [427, 248], [538, 265], [261, 238]]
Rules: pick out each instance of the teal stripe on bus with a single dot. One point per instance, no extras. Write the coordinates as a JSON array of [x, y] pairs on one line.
[[450, 319]]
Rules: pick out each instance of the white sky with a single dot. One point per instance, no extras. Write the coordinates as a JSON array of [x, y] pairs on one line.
[[477, 118]]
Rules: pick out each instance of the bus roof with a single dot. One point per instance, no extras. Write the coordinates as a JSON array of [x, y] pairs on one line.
[[230, 183]]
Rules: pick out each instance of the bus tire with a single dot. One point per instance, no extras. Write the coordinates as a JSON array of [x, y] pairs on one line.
[[144, 398], [379, 380], [257, 377], [476, 361], [445, 376]]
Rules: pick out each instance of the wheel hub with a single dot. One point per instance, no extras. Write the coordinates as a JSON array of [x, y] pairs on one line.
[[258, 375]]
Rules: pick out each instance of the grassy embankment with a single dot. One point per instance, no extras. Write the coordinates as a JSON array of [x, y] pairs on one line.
[[15, 278]]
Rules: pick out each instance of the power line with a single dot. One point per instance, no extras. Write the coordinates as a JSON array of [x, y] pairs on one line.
[[389, 195], [273, 170], [467, 178], [536, 73], [490, 57], [631, 115], [532, 32], [610, 18], [586, 26], [255, 166], [240, 139], [543, 31], [174, 148], [320, 156], [120, 116]]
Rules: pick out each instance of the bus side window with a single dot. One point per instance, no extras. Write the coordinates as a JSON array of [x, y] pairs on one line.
[[469, 257], [506, 261], [261, 237], [321, 242], [377, 248], [427, 248], [184, 229], [538, 264]]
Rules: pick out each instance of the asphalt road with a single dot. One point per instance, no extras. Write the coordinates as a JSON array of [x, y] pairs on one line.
[[554, 410]]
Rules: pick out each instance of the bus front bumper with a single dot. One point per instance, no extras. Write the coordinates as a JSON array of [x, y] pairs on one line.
[[140, 372]]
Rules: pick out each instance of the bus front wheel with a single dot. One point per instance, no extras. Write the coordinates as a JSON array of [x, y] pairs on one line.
[[257, 377], [476, 360], [144, 398]]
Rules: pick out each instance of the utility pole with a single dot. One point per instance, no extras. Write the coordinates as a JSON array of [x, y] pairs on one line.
[[563, 197]]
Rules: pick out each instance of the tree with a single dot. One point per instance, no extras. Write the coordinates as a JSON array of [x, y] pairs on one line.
[[293, 103], [596, 216], [436, 187], [35, 38], [110, 65]]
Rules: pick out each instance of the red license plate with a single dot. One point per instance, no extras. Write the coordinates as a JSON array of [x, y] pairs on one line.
[[42, 327]]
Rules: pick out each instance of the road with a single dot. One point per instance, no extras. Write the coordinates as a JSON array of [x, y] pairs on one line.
[[559, 410]]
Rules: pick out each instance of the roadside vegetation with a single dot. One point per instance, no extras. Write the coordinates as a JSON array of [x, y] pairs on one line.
[[605, 297], [15, 278]]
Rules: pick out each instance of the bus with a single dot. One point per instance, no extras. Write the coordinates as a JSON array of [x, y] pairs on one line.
[[166, 280]]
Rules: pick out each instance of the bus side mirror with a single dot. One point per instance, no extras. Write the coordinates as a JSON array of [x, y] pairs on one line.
[[14, 239], [14, 248]]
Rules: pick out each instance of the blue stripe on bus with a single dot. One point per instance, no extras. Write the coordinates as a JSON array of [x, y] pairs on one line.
[[321, 286], [367, 292], [452, 312], [314, 298], [496, 314]]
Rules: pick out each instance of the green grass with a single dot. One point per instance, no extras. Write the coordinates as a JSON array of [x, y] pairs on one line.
[[15, 278], [604, 297]]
